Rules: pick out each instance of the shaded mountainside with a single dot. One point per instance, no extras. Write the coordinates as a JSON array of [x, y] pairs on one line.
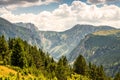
[[55, 43], [11, 30], [101, 48]]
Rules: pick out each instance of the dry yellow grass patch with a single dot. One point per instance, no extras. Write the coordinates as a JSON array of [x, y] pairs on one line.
[[5, 71], [106, 32]]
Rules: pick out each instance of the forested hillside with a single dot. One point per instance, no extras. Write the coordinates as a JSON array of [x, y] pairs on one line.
[[29, 62]]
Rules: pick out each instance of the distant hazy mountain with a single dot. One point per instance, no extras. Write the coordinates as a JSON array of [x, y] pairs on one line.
[[55, 43], [30, 26], [101, 48]]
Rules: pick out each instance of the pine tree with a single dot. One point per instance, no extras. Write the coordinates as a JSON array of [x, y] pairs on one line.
[[37, 58], [100, 73], [3, 47], [18, 54], [63, 69], [117, 76], [80, 66], [97, 72], [92, 71], [4, 51]]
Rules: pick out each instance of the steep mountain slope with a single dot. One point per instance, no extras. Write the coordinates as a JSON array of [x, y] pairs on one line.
[[11, 30], [101, 48], [55, 43], [62, 43]]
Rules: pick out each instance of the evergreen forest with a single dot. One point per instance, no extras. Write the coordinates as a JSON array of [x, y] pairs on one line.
[[31, 63]]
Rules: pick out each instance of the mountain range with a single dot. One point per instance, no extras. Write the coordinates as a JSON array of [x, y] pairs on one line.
[[98, 44], [62, 43], [55, 43]]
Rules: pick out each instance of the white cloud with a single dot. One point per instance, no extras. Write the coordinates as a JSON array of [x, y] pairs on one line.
[[66, 16], [3, 10]]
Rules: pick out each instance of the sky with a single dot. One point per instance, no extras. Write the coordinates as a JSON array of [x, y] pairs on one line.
[[60, 15]]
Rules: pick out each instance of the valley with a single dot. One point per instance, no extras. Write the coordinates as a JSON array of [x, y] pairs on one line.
[[100, 45]]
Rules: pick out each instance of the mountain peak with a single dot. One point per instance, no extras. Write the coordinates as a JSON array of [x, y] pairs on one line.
[[27, 25], [4, 21]]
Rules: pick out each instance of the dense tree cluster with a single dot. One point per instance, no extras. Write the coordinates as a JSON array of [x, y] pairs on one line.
[[30, 59]]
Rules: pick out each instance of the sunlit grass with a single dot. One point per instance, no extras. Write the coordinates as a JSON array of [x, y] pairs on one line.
[[106, 32]]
